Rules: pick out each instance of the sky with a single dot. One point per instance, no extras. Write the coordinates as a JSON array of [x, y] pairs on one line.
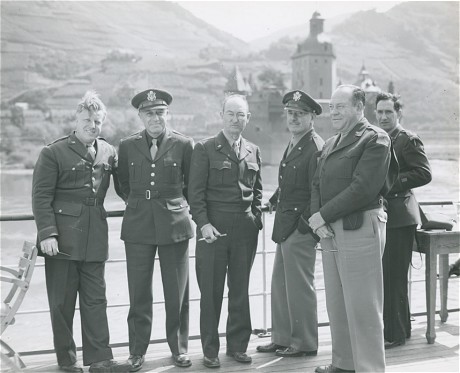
[[249, 20]]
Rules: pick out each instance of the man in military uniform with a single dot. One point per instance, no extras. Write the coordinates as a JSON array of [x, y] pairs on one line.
[[225, 193], [70, 181], [348, 215], [293, 294], [153, 172], [403, 217]]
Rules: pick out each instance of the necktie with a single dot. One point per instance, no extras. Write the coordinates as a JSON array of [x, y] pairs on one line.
[[153, 149], [91, 151], [236, 149], [290, 147], [337, 142]]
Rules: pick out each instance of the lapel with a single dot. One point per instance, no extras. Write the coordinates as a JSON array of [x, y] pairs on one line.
[[165, 145], [78, 147], [223, 147], [101, 149], [298, 148], [396, 132], [245, 149], [141, 144], [351, 137]]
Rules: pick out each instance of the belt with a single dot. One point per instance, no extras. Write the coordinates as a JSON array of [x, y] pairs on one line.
[[88, 201], [155, 194]]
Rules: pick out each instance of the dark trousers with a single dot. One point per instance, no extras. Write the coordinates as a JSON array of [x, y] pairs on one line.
[[140, 260], [233, 254], [64, 279], [396, 261]]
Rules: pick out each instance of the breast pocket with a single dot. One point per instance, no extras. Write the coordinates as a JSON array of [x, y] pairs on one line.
[[135, 171], [251, 173], [75, 175], [346, 166], [173, 171], [220, 172]]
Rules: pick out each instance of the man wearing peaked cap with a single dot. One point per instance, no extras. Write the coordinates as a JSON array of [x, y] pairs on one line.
[[294, 317], [154, 166], [299, 100]]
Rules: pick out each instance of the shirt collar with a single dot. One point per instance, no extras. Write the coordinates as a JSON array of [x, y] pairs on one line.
[[231, 140], [150, 138]]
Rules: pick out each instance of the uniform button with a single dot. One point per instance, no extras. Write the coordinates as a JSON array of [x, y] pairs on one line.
[[281, 176], [294, 166], [175, 164], [284, 164], [396, 194], [152, 174], [153, 165], [73, 168], [94, 190], [94, 179], [60, 210], [94, 169], [152, 183], [295, 208]]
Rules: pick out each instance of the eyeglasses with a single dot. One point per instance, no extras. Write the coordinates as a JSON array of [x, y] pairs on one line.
[[230, 115]]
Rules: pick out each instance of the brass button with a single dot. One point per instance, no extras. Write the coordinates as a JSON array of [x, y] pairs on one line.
[[73, 168], [152, 183], [60, 210], [153, 165], [94, 179], [284, 164], [152, 174]]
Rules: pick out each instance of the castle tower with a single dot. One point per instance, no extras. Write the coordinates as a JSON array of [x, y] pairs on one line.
[[313, 64], [236, 83]]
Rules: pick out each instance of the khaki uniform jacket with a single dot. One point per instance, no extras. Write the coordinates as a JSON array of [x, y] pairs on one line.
[[414, 171], [155, 190], [349, 177], [221, 181], [65, 183], [292, 197]]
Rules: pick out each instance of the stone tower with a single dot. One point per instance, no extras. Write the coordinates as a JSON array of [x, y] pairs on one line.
[[313, 63]]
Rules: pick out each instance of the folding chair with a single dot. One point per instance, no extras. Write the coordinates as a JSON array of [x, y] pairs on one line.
[[20, 280]]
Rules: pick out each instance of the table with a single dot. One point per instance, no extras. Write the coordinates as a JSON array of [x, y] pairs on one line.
[[433, 243]]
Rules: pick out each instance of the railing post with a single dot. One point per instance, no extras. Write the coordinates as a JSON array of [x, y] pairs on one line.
[[264, 273]]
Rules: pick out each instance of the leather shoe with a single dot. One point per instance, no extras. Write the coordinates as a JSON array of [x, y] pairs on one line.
[[271, 347], [109, 366], [389, 345], [73, 368], [182, 360], [293, 352], [241, 357], [331, 369], [211, 362], [135, 361]]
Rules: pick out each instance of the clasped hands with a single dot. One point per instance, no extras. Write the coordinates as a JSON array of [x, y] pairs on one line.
[[210, 233], [319, 226]]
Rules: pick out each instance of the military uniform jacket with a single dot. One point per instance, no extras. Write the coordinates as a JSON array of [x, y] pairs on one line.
[[68, 190], [414, 171], [155, 189], [292, 197], [222, 181], [349, 177]]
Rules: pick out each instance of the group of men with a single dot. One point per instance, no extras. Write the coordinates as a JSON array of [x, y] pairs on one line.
[[335, 193]]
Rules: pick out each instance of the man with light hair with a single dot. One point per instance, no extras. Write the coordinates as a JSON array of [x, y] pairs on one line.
[[70, 182]]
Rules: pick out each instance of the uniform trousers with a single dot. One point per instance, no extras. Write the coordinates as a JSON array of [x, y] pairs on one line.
[[353, 280], [232, 255], [396, 261], [64, 279], [140, 260], [293, 299]]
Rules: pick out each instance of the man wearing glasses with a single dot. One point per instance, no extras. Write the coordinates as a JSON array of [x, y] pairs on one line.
[[293, 295], [153, 172], [348, 215], [225, 194]]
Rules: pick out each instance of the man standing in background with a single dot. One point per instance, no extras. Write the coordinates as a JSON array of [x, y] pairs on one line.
[[153, 171], [225, 193], [70, 181], [293, 295], [403, 218]]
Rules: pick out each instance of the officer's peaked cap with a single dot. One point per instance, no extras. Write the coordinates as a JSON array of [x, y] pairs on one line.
[[151, 98], [301, 101]]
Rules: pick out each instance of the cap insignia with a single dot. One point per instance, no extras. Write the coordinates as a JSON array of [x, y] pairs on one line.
[[297, 96], [151, 96]]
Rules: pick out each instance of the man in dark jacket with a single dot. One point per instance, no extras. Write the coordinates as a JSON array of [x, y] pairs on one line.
[[293, 295], [153, 172], [347, 213], [225, 193], [403, 217], [70, 181]]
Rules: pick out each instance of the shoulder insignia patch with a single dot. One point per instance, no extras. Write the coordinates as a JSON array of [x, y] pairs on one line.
[[383, 139]]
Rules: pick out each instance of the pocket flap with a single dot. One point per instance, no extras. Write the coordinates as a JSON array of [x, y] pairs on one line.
[[77, 167], [171, 163], [67, 208], [253, 166], [176, 203], [132, 202], [220, 165]]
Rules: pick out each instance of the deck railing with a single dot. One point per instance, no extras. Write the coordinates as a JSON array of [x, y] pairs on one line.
[[265, 293]]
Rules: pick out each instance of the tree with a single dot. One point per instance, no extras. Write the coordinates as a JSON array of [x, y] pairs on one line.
[[272, 77]]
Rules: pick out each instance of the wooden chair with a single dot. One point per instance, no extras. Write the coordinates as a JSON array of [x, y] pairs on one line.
[[20, 280]]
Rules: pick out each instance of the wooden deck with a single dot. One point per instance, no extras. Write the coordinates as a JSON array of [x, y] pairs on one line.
[[416, 356]]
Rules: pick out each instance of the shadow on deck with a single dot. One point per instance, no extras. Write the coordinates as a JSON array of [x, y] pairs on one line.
[[416, 356]]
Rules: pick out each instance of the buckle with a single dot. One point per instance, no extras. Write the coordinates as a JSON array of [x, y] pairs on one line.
[[147, 194], [91, 201]]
